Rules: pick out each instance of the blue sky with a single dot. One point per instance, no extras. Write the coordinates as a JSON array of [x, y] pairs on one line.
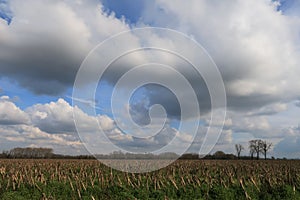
[[131, 10], [38, 66], [5, 11]]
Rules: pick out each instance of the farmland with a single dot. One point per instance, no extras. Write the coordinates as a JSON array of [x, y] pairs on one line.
[[184, 179]]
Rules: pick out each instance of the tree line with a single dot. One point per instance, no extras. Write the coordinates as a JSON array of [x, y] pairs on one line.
[[28, 152], [38, 153], [256, 147]]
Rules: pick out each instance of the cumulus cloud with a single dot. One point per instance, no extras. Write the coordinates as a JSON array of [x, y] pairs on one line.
[[26, 135], [53, 125], [245, 49], [46, 42], [58, 118], [254, 45], [17, 129], [258, 59], [55, 117], [10, 114]]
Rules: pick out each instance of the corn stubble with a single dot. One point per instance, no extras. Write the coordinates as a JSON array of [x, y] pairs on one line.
[[89, 179]]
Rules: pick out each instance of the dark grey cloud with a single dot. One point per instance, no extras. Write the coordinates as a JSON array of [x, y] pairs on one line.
[[45, 44], [256, 51], [271, 109], [139, 112], [44, 65], [168, 100], [142, 145], [297, 103], [45, 59], [238, 45], [158, 94], [152, 96], [289, 145]]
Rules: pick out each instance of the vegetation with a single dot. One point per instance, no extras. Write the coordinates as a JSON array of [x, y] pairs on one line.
[[184, 179], [255, 146], [239, 148], [259, 146], [28, 153]]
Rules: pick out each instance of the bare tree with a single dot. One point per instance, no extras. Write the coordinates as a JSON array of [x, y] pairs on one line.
[[265, 147], [239, 148], [31, 152], [252, 153], [252, 148], [255, 147]]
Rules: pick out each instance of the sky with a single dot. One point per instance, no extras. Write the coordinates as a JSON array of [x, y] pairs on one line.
[[255, 45]]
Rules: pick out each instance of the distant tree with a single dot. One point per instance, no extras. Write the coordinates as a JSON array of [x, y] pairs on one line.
[[30, 152], [5, 154], [189, 156], [255, 147], [251, 152], [265, 147], [239, 148], [219, 154]]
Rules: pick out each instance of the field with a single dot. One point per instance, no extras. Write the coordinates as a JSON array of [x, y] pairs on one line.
[[184, 179]]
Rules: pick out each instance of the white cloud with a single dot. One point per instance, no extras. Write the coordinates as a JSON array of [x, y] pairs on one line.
[[118, 136], [242, 37], [48, 38], [58, 117], [10, 114], [250, 42], [257, 51], [17, 129], [51, 125], [269, 109], [55, 117], [258, 126], [26, 135], [254, 46], [105, 122]]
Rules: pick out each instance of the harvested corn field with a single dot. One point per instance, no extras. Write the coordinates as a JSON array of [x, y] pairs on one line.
[[184, 179]]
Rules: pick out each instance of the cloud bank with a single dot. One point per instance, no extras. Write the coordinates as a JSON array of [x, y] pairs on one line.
[[255, 45]]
